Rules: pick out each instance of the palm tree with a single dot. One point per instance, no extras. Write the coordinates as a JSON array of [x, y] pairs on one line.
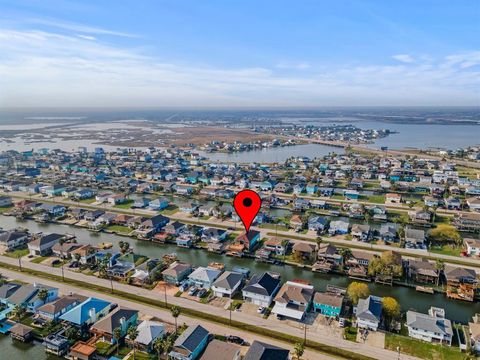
[[158, 346], [299, 349], [117, 334], [175, 311], [439, 266], [346, 254], [132, 333], [18, 312], [43, 295]]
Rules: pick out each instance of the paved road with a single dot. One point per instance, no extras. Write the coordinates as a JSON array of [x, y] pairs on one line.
[[273, 324], [472, 262]]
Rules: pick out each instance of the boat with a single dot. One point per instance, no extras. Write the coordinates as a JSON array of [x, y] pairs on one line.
[[170, 257], [424, 289], [217, 266], [105, 245]]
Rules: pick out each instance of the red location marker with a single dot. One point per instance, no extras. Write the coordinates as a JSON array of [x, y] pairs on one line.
[[247, 204]]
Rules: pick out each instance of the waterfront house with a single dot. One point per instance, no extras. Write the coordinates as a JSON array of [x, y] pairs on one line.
[[296, 222], [204, 276], [43, 244], [472, 246], [317, 223], [351, 194], [159, 204], [27, 296], [461, 283], [148, 332], [431, 327], [293, 300], [301, 204], [415, 237], [190, 344], [304, 250], [53, 210], [227, 284], [176, 272], [361, 232], [221, 350], [213, 235], [474, 332], [151, 226], [420, 217], [261, 289], [388, 233], [87, 312], [473, 203], [5, 201], [141, 203], [467, 221], [263, 351], [328, 253], [82, 351], [21, 332], [423, 271], [53, 310], [184, 190], [369, 313], [93, 215], [338, 227], [248, 239], [174, 228], [56, 344], [275, 245], [328, 304], [12, 239], [85, 253], [121, 318], [64, 250]]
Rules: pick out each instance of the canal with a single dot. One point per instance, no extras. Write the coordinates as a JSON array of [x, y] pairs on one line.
[[456, 310], [15, 350]]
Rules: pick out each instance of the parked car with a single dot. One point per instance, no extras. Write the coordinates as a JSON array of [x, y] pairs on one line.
[[184, 286], [201, 293], [193, 290], [261, 310], [235, 339]]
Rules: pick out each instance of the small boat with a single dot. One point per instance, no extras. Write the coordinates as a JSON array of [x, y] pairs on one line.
[[170, 257], [105, 245], [425, 289], [217, 266]]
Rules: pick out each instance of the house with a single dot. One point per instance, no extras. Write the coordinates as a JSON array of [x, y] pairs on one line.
[[293, 300], [5, 201], [301, 204], [415, 237], [53, 210], [121, 318], [190, 344], [369, 313], [317, 223], [204, 277], [21, 332], [176, 272], [296, 222], [151, 226], [461, 283], [6, 290], [423, 271], [53, 190], [27, 296], [261, 289], [263, 351], [82, 351], [420, 216], [148, 332], [12, 239], [64, 250], [221, 350], [85, 254], [474, 330], [431, 327], [53, 310], [141, 203], [87, 312], [388, 232], [338, 227], [174, 228], [351, 194], [56, 344], [472, 246], [275, 245], [393, 198], [215, 235], [248, 239], [43, 245], [227, 284], [467, 221], [361, 232], [305, 251], [159, 204], [328, 253], [116, 199], [328, 304]]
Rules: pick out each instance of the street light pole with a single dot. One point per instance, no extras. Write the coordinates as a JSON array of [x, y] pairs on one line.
[[230, 310], [305, 334], [165, 292], [20, 263], [63, 276], [111, 284]]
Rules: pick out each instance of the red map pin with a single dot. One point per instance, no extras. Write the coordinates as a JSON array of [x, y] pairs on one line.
[[247, 204]]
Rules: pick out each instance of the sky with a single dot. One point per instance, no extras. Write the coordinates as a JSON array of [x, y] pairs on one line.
[[239, 53]]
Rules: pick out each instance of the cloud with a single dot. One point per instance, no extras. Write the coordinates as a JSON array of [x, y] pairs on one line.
[[47, 68], [405, 58]]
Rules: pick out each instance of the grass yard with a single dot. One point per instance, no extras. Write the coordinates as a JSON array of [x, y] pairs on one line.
[[119, 229], [39, 259], [87, 201], [170, 210], [5, 208], [377, 199], [446, 250], [351, 333], [140, 355], [422, 349], [17, 253], [104, 348], [126, 205]]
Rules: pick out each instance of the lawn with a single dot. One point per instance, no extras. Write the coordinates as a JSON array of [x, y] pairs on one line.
[[446, 250], [126, 205], [140, 355], [87, 201], [5, 208], [422, 349], [377, 199], [39, 259], [17, 253], [170, 210], [104, 348], [351, 333], [119, 229]]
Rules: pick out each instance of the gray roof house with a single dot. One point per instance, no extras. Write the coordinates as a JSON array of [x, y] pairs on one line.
[[431, 327], [369, 312], [263, 351], [227, 284], [190, 344]]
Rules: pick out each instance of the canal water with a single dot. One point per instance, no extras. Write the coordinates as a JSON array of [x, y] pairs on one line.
[[15, 350], [456, 310]]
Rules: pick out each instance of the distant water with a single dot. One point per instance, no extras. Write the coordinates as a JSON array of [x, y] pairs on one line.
[[275, 154]]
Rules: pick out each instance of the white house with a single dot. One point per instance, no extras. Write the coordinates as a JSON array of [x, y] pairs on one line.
[[43, 245], [204, 276], [12, 239], [293, 300], [227, 284], [431, 327], [369, 312], [261, 289], [472, 246]]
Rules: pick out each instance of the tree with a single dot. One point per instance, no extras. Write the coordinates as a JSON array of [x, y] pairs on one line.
[[158, 346], [357, 291], [72, 333], [18, 312], [391, 309], [175, 311], [299, 349], [346, 254], [445, 233], [132, 333], [43, 295], [117, 334], [77, 257]]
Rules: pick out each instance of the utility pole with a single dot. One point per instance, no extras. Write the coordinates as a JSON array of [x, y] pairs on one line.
[[111, 283], [305, 334], [20, 263], [165, 292], [63, 276], [230, 309]]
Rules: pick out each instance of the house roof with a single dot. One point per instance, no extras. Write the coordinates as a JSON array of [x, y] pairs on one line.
[[328, 299], [81, 313], [191, 338], [61, 303], [297, 292], [304, 247], [220, 350], [6, 290], [176, 268], [228, 280], [148, 331], [25, 293], [247, 236], [49, 239], [114, 320], [263, 351], [370, 308], [429, 323], [264, 284], [459, 273], [204, 274]]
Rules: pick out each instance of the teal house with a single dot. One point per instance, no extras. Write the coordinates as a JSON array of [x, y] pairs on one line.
[[190, 344], [328, 304]]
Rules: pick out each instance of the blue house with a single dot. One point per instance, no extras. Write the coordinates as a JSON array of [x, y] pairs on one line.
[[121, 318], [27, 296], [311, 189], [87, 312], [53, 209], [141, 203], [328, 304], [190, 344], [248, 239], [158, 204]]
